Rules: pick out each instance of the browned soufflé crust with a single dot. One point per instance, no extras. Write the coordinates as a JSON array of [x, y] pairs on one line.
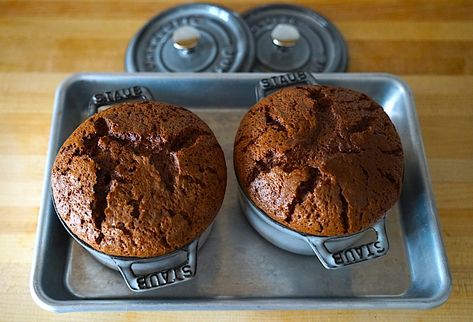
[[139, 179], [321, 160]]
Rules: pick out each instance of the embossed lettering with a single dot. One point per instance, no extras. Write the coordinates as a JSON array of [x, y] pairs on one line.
[[179, 275], [283, 80], [99, 98], [370, 253], [165, 277], [357, 254], [171, 278], [379, 247], [186, 271], [353, 258], [162, 277], [137, 90], [108, 96], [292, 77], [271, 21], [118, 95], [337, 257], [265, 83], [153, 281], [142, 282], [302, 75], [359, 251]]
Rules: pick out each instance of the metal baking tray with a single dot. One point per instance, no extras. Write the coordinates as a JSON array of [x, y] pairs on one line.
[[237, 268]]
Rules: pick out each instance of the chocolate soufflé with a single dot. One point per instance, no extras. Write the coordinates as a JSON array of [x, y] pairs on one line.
[[320, 160], [139, 179]]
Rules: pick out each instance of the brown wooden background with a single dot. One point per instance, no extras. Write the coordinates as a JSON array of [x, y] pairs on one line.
[[427, 43]]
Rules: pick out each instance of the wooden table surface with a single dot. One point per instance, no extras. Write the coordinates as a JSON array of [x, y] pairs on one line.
[[427, 43]]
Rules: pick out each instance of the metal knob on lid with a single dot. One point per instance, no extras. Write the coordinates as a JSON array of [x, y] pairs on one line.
[[196, 37], [185, 38], [290, 38], [285, 35]]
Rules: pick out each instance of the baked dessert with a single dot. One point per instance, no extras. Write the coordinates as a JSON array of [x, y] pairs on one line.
[[139, 179], [320, 160]]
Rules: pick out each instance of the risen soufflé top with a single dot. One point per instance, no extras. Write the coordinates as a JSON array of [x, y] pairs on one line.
[[320, 160], [139, 179]]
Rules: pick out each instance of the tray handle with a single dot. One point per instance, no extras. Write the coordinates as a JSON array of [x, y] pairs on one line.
[[154, 280], [351, 255], [110, 97], [271, 84]]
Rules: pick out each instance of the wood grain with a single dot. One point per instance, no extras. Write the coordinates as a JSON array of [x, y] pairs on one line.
[[427, 43]]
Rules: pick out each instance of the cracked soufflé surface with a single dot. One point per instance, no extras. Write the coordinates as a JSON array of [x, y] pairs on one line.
[[139, 179], [321, 160]]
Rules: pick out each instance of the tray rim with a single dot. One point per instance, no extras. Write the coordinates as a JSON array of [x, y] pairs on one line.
[[366, 302]]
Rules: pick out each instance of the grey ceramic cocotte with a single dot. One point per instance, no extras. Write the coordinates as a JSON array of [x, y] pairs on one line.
[[142, 274], [332, 252]]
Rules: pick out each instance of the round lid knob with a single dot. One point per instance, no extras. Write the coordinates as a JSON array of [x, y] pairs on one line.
[[185, 38], [292, 38], [285, 35]]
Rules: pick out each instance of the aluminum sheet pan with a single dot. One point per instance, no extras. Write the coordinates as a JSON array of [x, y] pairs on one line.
[[237, 268]]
